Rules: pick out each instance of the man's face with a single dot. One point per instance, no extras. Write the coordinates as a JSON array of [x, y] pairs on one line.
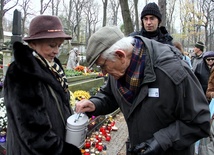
[[197, 51], [150, 23], [115, 68]]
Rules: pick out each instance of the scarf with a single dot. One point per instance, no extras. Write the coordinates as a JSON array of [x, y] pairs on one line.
[[129, 84], [55, 69], [151, 35]]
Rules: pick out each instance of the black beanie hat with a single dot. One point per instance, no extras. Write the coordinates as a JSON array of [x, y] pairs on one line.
[[151, 9], [200, 45]]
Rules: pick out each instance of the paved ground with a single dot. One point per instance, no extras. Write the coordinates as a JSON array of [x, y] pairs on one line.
[[117, 145]]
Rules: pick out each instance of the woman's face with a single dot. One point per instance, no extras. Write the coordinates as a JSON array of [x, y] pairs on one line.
[[210, 61], [48, 48]]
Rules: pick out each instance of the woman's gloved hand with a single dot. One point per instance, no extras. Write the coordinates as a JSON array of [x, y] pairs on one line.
[[149, 147]]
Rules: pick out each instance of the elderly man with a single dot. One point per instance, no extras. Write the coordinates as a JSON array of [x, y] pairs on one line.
[[197, 56], [148, 81]]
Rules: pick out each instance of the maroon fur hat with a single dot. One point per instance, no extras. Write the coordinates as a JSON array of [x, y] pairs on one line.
[[46, 26]]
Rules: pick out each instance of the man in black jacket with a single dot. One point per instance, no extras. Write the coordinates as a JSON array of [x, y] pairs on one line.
[[151, 19]]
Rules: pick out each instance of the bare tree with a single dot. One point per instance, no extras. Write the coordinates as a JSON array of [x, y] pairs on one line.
[[169, 16], [91, 11], [114, 7], [55, 7], [69, 15], [162, 6], [136, 15], [196, 21], [187, 21], [211, 29], [25, 8], [44, 6], [79, 6], [207, 9], [7, 25], [105, 4], [3, 10], [133, 7], [196, 17], [74, 16], [128, 27]]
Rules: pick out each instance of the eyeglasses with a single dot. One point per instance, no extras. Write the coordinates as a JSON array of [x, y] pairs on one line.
[[208, 59], [103, 65]]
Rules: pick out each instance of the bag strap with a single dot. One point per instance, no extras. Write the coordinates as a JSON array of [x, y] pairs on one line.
[[211, 131], [57, 103]]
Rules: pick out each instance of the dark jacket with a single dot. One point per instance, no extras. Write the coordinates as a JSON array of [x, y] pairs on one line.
[[195, 60], [202, 72], [161, 35], [177, 117], [35, 126]]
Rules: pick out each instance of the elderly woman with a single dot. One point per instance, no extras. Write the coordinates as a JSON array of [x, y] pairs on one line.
[[36, 93], [202, 70]]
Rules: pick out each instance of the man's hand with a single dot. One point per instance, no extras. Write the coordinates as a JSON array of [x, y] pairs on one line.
[[150, 147], [84, 106]]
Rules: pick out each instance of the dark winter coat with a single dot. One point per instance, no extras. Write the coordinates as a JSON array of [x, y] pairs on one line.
[[202, 72], [161, 35], [195, 60], [177, 115], [35, 126]]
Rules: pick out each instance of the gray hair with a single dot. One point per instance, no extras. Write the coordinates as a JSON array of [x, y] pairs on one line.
[[124, 44]]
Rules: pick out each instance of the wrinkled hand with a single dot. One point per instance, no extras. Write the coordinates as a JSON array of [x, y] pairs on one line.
[[84, 106], [150, 147]]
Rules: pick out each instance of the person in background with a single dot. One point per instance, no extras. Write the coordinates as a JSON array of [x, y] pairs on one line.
[[197, 56], [202, 70], [150, 21], [210, 96], [148, 82], [184, 56], [210, 86], [36, 93], [73, 59], [210, 92]]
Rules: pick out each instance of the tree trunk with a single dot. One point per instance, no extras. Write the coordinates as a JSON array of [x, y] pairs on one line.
[[128, 27], [105, 3], [136, 15], [162, 6], [1, 25]]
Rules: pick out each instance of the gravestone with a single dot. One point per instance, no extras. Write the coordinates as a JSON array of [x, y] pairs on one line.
[[16, 30]]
